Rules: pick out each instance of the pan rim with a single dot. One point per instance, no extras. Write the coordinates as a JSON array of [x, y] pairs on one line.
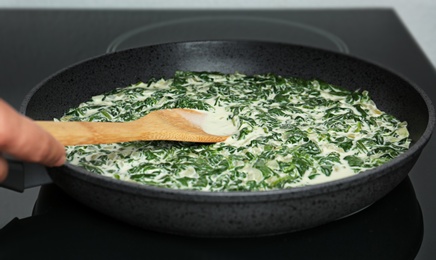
[[298, 192]]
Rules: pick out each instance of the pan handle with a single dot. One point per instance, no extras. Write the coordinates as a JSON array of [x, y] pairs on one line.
[[24, 175]]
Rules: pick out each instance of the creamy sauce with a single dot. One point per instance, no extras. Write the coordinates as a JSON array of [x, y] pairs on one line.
[[214, 123], [284, 133]]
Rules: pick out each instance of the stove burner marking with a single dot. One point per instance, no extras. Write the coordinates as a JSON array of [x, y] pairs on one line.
[[338, 42]]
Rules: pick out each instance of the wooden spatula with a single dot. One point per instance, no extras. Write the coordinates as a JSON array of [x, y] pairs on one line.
[[171, 124]]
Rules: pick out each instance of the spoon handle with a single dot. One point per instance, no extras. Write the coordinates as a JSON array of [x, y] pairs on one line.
[[79, 133]]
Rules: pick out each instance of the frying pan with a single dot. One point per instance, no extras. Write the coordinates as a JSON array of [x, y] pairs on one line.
[[232, 214]]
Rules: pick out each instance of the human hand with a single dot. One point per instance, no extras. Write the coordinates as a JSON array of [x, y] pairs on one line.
[[25, 140]]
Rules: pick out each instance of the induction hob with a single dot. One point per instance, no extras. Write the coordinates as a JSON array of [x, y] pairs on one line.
[[37, 43]]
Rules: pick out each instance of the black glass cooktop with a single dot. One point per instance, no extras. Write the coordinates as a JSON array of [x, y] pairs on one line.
[[36, 43]]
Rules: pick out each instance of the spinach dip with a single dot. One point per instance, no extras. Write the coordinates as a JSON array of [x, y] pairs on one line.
[[290, 132]]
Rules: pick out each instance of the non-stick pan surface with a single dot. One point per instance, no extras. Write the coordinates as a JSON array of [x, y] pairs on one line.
[[232, 213]]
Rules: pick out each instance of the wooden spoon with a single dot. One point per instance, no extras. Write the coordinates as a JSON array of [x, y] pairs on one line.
[[171, 124]]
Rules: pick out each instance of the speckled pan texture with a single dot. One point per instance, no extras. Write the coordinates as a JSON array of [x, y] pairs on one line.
[[234, 213]]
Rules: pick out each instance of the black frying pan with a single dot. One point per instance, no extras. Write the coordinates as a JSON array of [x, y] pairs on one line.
[[232, 213]]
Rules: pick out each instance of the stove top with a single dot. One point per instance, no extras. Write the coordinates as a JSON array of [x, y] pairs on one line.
[[37, 43]]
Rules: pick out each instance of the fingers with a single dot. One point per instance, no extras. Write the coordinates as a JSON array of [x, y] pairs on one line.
[[36, 145], [3, 168], [23, 139]]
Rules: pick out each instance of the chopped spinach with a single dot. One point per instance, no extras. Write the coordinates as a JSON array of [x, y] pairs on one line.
[[291, 132]]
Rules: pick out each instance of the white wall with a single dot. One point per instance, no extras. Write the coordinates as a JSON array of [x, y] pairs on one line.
[[418, 15]]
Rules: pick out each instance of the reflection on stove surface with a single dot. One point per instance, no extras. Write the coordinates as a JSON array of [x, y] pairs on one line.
[[391, 228], [228, 28]]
